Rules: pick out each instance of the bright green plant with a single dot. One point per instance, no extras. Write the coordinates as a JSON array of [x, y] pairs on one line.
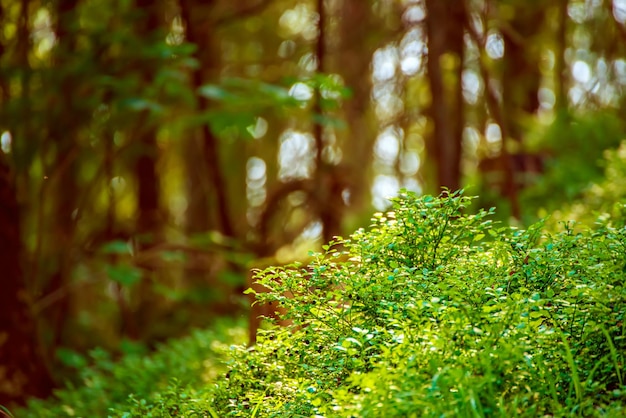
[[436, 312], [605, 198], [432, 312], [573, 148], [171, 379]]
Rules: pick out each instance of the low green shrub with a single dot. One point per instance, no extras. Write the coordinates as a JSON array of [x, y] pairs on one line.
[[604, 198], [165, 383], [432, 312], [436, 312], [573, 148]]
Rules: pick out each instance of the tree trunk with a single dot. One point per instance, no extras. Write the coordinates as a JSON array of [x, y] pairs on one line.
[[149, 220], [23, 372], [560, 66], [444, 27], [209, 207], [63, 182], [353, 64], [196, 14], [521, 76]]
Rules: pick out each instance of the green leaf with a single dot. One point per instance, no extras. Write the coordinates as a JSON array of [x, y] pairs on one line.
[[124, 274], [353, 341], [231, 278], [478, 237], [211, 91], [116, 247], [71, 358]]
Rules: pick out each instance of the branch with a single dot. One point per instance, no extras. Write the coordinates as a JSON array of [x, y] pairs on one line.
[[277, 196], [242, 12], [496, 112]]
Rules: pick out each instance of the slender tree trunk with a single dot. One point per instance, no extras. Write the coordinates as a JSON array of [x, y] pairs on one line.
[[320, 54], [22, 131], [444, 27], [64, 183], [148, 193], [4, 82], [23, 372], [329, 184], [505, 160], [353, 63], [327, 207], [521, 76], [209, 207], [149, 219], [560, 67], [196, 14]]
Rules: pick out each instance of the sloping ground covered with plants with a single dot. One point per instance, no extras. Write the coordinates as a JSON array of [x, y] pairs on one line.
[[432, 311], [175, 376], [441, 313]]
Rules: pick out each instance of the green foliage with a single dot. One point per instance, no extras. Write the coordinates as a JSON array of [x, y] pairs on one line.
[[603, 199], [434, 312], [431, 312], [158, 385], [574, 147]]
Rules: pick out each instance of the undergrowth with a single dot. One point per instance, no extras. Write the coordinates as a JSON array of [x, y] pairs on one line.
[[172, 381], [436, 312], [431, 312]]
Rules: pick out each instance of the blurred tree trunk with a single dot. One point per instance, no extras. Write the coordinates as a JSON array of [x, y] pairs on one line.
[[520, 81], [21, 146], [198, 214], [23, 371], [325, 198], [148, 186], [64, 174], [354, 56], [197, 16], [208, 208], [145, 165], [4, 82], [521, 74], [560, 67], [444, 27]]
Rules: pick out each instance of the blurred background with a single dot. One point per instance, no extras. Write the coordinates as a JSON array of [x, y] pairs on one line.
[[153, 152]]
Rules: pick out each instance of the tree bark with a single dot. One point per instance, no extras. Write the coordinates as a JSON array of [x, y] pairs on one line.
[[63, 181], [521, 76], [196, 15], [560, 66], [148, 226], [444, 27], [354, 56], [148, 193], [23, 371]]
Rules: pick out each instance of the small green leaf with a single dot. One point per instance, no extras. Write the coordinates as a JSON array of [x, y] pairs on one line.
[[124, 274], [478, 237], [71, 358], [352, 341], [116, 247]]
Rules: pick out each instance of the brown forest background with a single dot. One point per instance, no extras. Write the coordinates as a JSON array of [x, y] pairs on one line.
[[153, 152]]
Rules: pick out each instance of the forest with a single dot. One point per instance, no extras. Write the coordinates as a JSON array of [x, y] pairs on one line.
[[412, 207]]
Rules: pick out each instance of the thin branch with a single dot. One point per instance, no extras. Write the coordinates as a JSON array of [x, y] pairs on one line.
[[277, 196], [496, 112], [242, 13], [320, 54]]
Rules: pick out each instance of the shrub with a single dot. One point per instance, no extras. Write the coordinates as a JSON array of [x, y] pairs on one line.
[[605, 198], [162, 384], [436, 312], [432, 312], [573, 146]]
